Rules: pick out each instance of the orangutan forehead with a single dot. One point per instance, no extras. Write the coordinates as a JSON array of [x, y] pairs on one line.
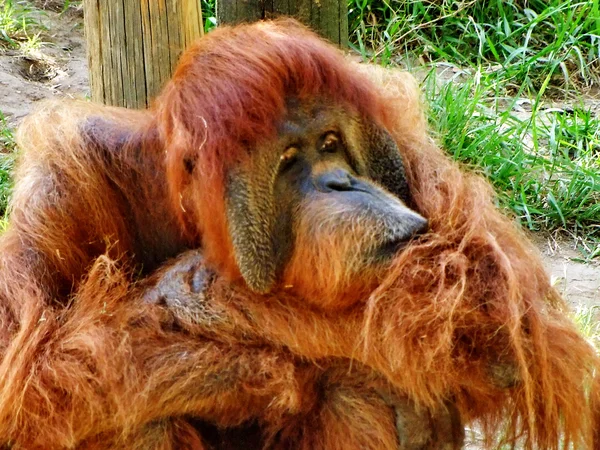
[[307, 117]]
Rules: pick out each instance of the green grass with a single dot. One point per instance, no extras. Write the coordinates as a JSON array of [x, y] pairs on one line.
[[545, 165], [526, 43], [18, 23], [7, 152], [586, 319], [209, 14]]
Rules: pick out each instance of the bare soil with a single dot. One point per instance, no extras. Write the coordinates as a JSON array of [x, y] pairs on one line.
[[59, 69], [578, 281]]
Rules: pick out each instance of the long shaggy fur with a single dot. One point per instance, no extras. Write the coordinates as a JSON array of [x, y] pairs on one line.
[[474, 290], [85, 363]]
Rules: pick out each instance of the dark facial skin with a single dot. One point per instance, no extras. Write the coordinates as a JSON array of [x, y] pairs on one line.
[[327, 174]]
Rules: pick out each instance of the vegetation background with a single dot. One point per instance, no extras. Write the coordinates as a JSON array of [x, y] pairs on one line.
[[513, 89]]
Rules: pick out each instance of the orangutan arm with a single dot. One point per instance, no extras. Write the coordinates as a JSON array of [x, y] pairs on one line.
[[120, 364], [123, 374], [204, 305]]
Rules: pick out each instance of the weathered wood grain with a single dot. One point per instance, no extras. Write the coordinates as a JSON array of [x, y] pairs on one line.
[[329, 18], [134, 45]]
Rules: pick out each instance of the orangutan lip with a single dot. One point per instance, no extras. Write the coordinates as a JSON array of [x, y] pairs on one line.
[[391, 248]]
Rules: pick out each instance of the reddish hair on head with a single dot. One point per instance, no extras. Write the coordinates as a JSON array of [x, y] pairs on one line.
[[228, 92]]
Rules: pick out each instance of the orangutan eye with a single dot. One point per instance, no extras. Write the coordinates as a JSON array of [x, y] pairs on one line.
[[288, 158], [330, 142]]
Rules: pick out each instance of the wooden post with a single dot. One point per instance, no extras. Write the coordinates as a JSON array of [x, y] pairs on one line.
[[329, 18], [133, 46]]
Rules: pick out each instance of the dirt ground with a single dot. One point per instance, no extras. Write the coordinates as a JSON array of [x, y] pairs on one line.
[[578, 281], [60, 70], [57, 70]]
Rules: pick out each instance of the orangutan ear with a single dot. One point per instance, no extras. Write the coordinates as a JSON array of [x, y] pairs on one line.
[[252, 223]]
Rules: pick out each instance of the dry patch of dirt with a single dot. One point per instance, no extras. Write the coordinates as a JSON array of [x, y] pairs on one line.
[[57, 69], [578, 281], [59, 6], [37, 67]]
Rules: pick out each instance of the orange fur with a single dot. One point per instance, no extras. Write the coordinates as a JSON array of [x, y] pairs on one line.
[[86, 363], [467, 298], [94, 185]]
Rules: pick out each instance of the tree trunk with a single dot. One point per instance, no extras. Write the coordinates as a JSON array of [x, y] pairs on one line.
[[329, 18], [133, 46]]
